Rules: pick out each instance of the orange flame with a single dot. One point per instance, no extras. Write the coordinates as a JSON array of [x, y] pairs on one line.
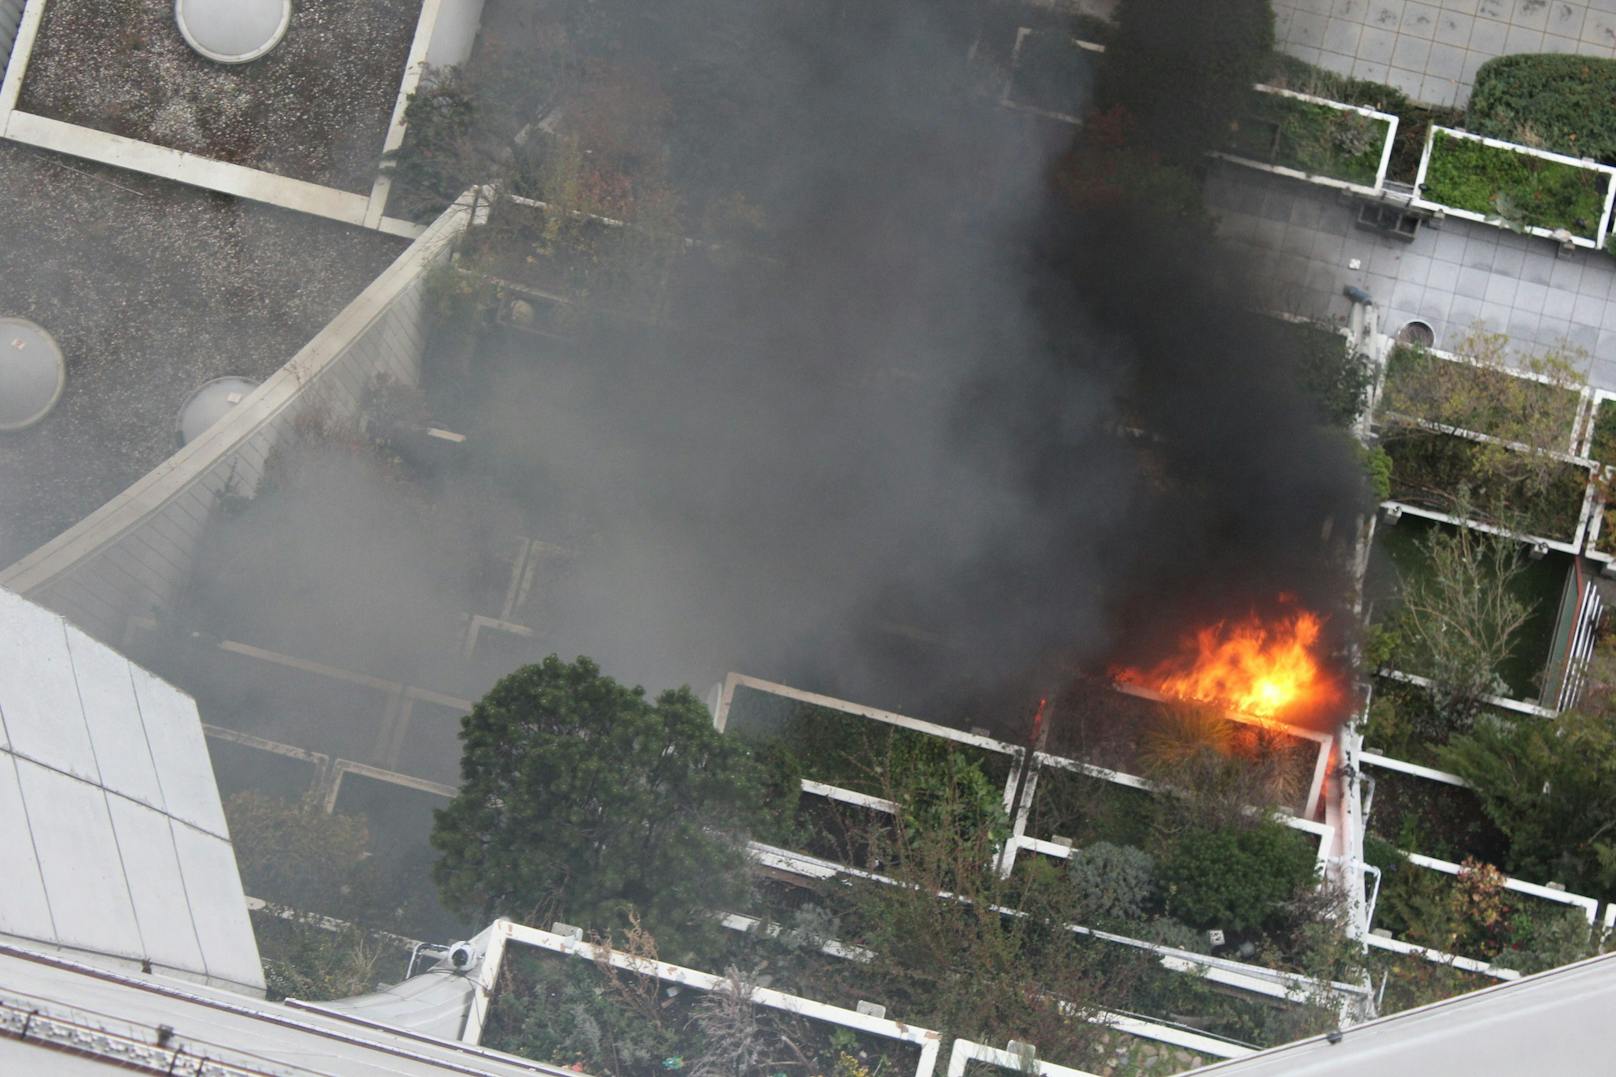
[[1268, 670]]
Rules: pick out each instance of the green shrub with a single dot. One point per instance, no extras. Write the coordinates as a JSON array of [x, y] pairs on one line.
[[1235, 879], [1112, 882], [1562, 103], [1316, 139], [1521, 189], [1546, 938]]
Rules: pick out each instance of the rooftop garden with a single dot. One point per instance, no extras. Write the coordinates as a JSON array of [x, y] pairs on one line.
[[150, 288], [315, 108], [1318, 139], [1520, 189]]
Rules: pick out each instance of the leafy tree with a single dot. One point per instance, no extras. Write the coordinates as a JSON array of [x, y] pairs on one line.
[[990, 962], [1461, 618], [1184, 68], [1551, 787], [582, 800]]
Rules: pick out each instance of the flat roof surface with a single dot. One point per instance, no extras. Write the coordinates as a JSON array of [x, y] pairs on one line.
[[1554, 1022], [113, 1012], [111, 828]]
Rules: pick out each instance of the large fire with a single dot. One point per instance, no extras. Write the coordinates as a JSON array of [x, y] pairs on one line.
[[1265, 669]]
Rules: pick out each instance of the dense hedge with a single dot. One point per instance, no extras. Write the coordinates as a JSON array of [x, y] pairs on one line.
[[1561, 103]]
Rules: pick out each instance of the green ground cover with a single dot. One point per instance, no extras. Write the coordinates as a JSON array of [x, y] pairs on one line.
[[1311, 138], [1521, 189]]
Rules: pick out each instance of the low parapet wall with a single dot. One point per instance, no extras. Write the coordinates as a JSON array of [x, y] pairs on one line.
[[130, 557]]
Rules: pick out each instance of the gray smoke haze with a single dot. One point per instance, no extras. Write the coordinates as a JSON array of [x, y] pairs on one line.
[[888, 468]]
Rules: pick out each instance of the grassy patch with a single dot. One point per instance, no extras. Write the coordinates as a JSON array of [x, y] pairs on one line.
[[1521, 189], [1310, 138]]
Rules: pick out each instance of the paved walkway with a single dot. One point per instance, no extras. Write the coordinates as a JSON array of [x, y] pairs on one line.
[[1431, 50], [1303, 241]]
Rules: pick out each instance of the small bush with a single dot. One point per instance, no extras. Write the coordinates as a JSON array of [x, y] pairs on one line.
[[1234, 879], [1561, 103], [1112, 882]]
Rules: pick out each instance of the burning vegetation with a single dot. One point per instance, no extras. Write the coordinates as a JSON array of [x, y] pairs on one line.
[[1263, 667]]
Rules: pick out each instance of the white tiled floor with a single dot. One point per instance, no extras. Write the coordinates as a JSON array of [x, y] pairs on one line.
[[1431, 50]]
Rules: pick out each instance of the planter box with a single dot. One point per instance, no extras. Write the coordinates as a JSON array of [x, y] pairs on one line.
[[1314, 139], [1538, 897], [1554, 196], [1430, 463], [1052, 74], [1537, 393], [902, 1040]]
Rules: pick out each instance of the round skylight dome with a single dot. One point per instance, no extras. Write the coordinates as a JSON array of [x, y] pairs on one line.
[[31, 373], [209, 404], [233, 31]]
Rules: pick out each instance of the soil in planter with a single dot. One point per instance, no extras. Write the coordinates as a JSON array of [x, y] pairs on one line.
[[1399, 554], [1311, 138], [1423, 816], [316, 107], [1428, 467], [1517, 187]]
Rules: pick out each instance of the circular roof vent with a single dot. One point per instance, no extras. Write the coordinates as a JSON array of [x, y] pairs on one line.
[[31, 373], [209, 404], [1418, 333], [233, 31]]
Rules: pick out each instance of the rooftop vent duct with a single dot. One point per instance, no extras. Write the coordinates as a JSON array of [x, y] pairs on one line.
[[31, 373], [232, 31]]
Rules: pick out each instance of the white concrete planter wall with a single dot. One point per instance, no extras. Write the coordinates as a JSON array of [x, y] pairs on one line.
[[1370, 190], [1042, 762], [497, 940], [444, 34], [1274, 985], [1593, 242], [1588, 906], [1013, 754], [132, 555]]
